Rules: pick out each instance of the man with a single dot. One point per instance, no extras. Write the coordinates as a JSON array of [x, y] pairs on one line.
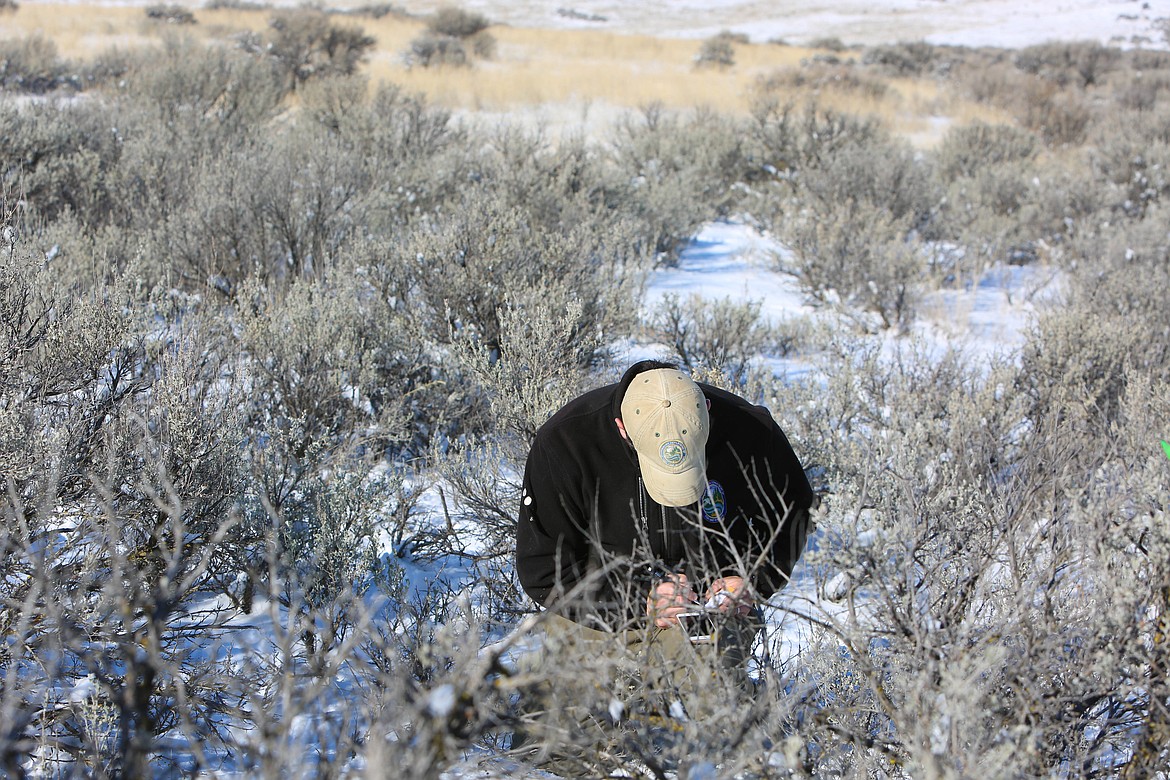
[[653, 500]]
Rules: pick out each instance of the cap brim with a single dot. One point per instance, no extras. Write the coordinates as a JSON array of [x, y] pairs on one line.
[[674, 488]]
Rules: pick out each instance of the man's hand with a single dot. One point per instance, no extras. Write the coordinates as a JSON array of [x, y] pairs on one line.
[[731, 595], [669, 599]]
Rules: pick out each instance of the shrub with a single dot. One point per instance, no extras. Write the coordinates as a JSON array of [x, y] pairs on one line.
[[468, 267], [1082, 357], [1133, 153], [1012, 212], [456, 23], [109, 67], [560, 187], [170, 14], [305, 196], [992, 209], [832, 43], [992, 548], [304, 44], [32, 65], [236, 5], [183, 122], [139, 439], [856, 253], [418, 158], [820, 75], [995, 83], [1145, 93], [573, 13], [684, 170], [208, 93], [793, 141], [716, 51], [142, 448], [717, 336], [965, 496], [903, 59], [540, 363], [322, 368], [1078, 64], [1143, 60], [853, 206], [435, 51], [858, 198], [965, 150], [277, 204], [373, 10], [328, 557], [1061, 118], [484, 46], [449, 30], [57, 159]]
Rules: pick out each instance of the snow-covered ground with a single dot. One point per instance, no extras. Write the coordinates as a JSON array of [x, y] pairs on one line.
[[732, 260], [1006, 23], [1003, 23]]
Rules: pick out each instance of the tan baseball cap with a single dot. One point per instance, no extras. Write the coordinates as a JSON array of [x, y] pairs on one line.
[[665, 416]]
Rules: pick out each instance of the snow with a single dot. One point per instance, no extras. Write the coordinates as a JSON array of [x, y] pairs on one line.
[[1003, 23], [731, 260], [616, 708], [83, 689], [441, 701], [990, 317]]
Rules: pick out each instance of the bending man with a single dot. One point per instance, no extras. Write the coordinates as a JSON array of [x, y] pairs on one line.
[[653, 500]]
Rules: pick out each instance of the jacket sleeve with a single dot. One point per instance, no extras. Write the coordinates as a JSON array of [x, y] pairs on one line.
[[551, 552], [554, 552]]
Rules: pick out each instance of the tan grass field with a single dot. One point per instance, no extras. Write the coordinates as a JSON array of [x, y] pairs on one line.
[[560, 75]]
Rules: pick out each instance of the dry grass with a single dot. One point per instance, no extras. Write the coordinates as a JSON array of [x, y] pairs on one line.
[[85, 31], [534, 67], [81, 31], [574, 71]]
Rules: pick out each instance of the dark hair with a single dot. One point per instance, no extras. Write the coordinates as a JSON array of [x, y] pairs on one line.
[[628, 377]]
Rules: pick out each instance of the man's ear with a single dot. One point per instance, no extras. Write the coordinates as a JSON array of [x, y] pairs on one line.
[[621, 428]]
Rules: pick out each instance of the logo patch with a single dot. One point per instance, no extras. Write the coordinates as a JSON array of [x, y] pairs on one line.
[[714, 503], [673, 452]]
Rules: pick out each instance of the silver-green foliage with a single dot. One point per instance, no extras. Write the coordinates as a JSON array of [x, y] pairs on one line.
[[123, 476], [224, 330], [721, 335], [716, 51], [684, 169], [976, 567], [31, 64], [853, 205], [447, 32], [989, 567]]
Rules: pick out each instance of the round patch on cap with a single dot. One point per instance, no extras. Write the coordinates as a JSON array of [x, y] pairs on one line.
[[673, 452], [714, 503]]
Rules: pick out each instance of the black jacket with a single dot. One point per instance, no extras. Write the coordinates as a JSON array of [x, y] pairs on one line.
[[584, 510]]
